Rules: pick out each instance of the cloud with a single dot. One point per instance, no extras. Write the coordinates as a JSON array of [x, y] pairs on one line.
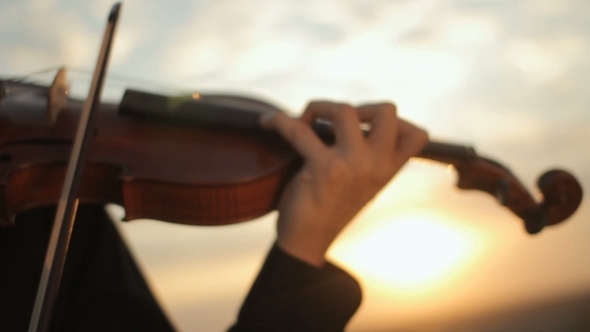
[[502, 126], [470, 29], [272, 36], [543, 60], [549, 8], [40, 5]]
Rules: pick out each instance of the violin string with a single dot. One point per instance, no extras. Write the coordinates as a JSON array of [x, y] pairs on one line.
[[113, 79], [22, 79], [123, 80], [7, 89]]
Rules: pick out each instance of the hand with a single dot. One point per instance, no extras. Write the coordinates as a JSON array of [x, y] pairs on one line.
[[337, 181]]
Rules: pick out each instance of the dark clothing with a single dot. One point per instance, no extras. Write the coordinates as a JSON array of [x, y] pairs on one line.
[[102, 288], [101, 285], [290, 295]]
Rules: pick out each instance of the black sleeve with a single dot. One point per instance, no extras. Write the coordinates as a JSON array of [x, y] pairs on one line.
[[291, 295], [101, 289]]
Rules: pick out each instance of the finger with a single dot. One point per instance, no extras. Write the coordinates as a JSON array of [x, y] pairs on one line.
[[296, 132], [410, 141], [344, 118], [383, 121]]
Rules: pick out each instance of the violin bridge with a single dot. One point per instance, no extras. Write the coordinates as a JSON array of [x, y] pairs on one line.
[[57, 98]]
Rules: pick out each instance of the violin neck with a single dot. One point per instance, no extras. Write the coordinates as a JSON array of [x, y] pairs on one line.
[[244, 113], [437, 151], [448, 153]]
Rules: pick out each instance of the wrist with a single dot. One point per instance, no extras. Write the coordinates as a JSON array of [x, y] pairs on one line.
[[308, 245], [309, 253]]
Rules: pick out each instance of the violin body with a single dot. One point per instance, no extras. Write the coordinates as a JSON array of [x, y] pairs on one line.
[[173, 172]]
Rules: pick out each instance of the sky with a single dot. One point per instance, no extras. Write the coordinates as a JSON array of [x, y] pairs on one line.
[[509, 77]]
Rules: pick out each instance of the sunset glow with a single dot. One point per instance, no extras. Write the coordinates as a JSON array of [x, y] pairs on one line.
[[414, 252]]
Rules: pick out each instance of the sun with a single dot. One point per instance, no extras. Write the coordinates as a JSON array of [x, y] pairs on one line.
[[413, 252]]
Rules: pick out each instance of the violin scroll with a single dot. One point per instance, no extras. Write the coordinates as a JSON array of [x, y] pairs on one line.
[[562, 194]]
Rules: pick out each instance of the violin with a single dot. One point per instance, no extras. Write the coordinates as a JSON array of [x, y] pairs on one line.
[[202, 159]]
